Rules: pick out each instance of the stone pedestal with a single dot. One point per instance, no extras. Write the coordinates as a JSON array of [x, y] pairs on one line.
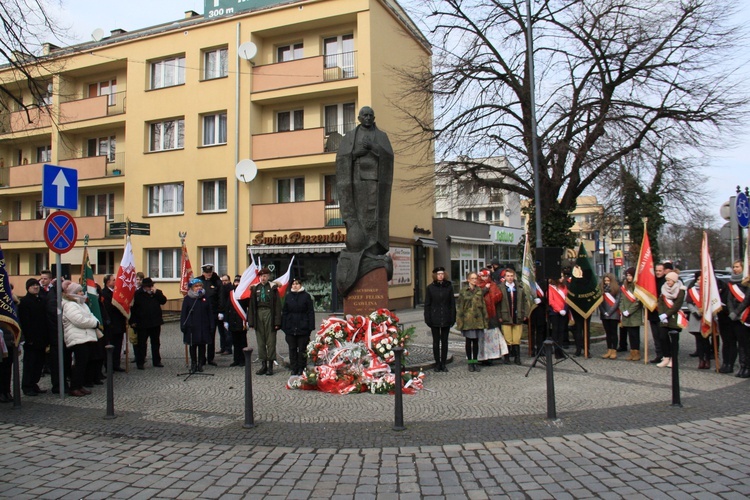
[[368, 294]]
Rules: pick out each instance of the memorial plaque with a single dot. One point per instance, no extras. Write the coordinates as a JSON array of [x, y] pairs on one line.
[[369, 294]]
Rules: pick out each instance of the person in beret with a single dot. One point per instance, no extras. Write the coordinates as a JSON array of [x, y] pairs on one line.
[[440, 315], [264, 315]]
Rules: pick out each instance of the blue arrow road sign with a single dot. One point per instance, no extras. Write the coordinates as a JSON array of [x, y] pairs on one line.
[[59, 187], [743, 210]]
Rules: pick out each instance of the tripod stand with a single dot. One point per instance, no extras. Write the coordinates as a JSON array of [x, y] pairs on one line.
[[193, 370]]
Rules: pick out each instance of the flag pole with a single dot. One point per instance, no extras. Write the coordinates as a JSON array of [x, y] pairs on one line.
[[646, 324], [183, 235], [716, 346]]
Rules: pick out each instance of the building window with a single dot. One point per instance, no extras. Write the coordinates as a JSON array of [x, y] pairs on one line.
[[164, 263], [102, 146], [105, 262], [289, 52], [331, 194], [101, 204], [441, 215], [41, 212], [215, 63], [214, 196], [17, 210], [45, 97], [290, 120], [165, 199], [41, 262], [339, 53], [168, 72], [340, 118], [169, 134], [472, 215], [214, 129], [108, 88], [44, 154], [288, 190], [493, 215], [442, 191], [216, 256]]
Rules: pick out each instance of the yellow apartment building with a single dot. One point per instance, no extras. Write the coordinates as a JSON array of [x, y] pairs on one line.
[[156, 120]]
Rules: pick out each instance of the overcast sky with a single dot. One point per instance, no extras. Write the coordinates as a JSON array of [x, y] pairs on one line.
[[728, 168]]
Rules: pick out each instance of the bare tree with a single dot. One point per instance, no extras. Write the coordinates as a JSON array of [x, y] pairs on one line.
[[614, 79], [26, 28]]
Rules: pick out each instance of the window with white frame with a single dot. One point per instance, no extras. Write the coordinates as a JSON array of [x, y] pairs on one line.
[[288, 190], [164, 263], [442, 191], [17, 213], [216, 256], [289, 52], [43, 154], [108, 88], [339, 53], [168, 72], [215, 63], [214, 196], [492, 215], [340, 118], [290, 120], [102, 146], [169, 134], [105, 262], [215, 129], [101, 204], [165, 199], [441, 215], [40, 211], [472, 215]]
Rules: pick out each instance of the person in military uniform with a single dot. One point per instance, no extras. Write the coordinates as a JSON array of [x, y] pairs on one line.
[[264, 315]]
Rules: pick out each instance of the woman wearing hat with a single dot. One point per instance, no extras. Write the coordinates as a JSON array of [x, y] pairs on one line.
[[298, 321], [32, 317], [197, 324], [80, 333], [670, 301], [440, 315], [631, 311]]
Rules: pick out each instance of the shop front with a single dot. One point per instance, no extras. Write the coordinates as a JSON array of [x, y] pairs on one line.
[[463, 247], [507, 245]]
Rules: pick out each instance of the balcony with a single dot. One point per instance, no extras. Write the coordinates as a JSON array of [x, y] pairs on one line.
[[306, 71], [299, 142], [25, 120], [92, 107], [33, 230], [94, 167], [296, 215]]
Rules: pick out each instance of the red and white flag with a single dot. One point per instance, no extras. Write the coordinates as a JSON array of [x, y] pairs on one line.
[[186, 271], [645, 278], [249, 278], [283, 282], [710, 299], [122, 297]]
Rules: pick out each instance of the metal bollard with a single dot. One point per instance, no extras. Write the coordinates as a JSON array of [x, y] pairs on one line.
[[674, 337], [549, 362], [110, 384], [249, 420], [16, 379], [399, 422]]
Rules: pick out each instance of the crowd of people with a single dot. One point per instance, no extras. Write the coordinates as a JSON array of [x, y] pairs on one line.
[[492, 312]]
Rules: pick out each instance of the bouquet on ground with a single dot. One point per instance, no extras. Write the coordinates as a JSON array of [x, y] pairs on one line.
[[354, 354]]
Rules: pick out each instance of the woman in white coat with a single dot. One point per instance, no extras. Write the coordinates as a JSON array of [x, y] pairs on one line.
[[80, 332]]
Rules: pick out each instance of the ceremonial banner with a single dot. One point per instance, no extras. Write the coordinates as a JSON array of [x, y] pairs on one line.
[[8, 311], [186, 270], [710, 299], [122, 297], [283, 282], [242, 292], [528, 278], [584, 290], [645, 279], [88, 283]]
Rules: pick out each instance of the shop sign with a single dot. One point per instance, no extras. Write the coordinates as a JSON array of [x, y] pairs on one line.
[[504, 236], [297, 238], [401, 257]]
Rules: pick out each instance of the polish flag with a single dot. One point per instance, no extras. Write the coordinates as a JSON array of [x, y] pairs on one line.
[[710, 299], [122, 297], [283, 282], [242, 292]]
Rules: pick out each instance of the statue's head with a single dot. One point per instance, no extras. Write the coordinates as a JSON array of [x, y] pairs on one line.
[[366, 116]]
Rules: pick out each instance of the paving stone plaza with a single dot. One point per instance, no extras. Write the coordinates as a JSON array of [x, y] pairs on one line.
[[468, 435]]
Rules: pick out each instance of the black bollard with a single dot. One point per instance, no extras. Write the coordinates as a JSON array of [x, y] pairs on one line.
[[110, 384], [399, 422], [249, 421], [674, 337], [549, 361], [16, 380]]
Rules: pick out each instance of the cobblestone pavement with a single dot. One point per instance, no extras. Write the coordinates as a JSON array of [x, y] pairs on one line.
[[473, 435]]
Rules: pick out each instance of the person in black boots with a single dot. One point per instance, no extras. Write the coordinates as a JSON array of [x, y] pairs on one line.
[[298, 321], [609, 312], [264, 315], [196, 324], [212, 289], [440, 315], [471, 318], [738, 317], [660, 271], [116, 324], [146, 319], [233, 322], [33, 322], [513, 313]]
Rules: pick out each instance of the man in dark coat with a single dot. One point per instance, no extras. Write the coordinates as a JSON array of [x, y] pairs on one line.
[[116, 325], [440, 315], [197, 324], [233, 322], [298, 321], [146, 319], [33, 322], [212, 289], [264, 314]]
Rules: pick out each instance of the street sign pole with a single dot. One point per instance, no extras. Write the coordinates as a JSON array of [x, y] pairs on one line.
[[58, 290]]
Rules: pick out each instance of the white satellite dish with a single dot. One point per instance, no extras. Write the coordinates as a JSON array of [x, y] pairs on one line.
[[245, 171], [97, 34], [247, 51]]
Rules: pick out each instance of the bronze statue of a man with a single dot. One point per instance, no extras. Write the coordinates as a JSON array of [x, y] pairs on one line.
[[364, 177]]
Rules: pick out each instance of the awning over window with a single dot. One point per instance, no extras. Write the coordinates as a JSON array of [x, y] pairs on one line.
[[275, 249], [427, 242], [470, 241]]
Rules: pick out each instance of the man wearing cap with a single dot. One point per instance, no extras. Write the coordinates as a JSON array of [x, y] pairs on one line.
[[264, 314], [33, 322], [116, 326], [212, 289], [146, 319]]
